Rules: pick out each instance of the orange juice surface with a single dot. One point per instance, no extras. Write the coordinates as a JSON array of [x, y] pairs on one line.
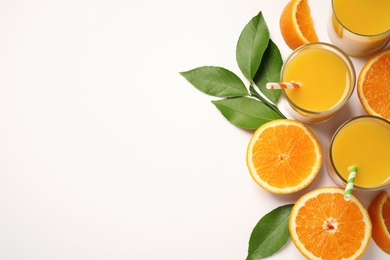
[[324, 76], [366, 17], [365, 144]]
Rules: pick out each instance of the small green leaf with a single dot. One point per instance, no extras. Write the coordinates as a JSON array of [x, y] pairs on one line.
[[245, 112], [216, 81], [251, 45], [269, 71], [270, 234]]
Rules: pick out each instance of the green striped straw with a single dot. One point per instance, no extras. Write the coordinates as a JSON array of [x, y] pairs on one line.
[[351, 178]]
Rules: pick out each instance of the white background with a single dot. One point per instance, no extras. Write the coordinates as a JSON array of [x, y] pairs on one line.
[[106, 152]]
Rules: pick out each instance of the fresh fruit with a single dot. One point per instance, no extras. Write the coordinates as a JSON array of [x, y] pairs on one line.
[[283, 156], [373, 86], [323, 225], [296, 24], [379, 211]]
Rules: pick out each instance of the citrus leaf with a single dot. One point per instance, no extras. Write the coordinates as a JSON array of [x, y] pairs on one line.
[[270, 233], [245, 112], [216, 81], [269, 71], [251, 45]]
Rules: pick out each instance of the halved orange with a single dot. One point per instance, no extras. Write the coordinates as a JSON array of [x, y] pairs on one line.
[[296, 24], [283, 156], [379, 211], [373, 85], [323, 225]]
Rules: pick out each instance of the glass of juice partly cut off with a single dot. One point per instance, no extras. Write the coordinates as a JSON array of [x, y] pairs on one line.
[[327, 78], [359, 27], [364, 142]]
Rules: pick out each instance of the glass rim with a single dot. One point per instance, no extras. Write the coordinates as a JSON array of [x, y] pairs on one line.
[[358, 34], [334, 169], [347, 61]]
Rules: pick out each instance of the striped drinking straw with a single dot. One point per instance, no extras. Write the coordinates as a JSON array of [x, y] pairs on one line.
[[351, 178], [283, 85]]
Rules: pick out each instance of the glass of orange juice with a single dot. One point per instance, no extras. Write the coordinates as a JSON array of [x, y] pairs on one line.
[[359, 27], [364, 142], [327, 78]]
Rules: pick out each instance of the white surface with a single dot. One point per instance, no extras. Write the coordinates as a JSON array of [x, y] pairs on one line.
[[108, 153]]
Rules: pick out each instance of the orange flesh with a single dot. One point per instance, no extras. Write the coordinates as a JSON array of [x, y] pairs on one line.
[[376, 86], [386, 214], [305, 21], [297, 25], [330, 231], [284, 159], [379, 211]]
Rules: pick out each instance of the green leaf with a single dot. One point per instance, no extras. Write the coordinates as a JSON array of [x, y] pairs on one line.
[[216, 81], [246, 112], [251, 45], [270, 234], [269, 71]]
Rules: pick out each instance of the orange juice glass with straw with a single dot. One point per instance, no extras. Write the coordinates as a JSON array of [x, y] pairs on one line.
[[359, 27], [326, 77], [364, 142]]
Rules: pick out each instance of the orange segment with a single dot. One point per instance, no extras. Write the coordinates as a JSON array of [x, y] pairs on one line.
[[284, 156], [296, 24], [325, 226], [373, 86], [379, 211]]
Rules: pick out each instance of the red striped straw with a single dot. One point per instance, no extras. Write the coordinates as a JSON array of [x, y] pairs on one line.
[[283, 85]]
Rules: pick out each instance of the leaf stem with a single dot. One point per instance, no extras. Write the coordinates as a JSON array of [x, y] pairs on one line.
[[255, 94]]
